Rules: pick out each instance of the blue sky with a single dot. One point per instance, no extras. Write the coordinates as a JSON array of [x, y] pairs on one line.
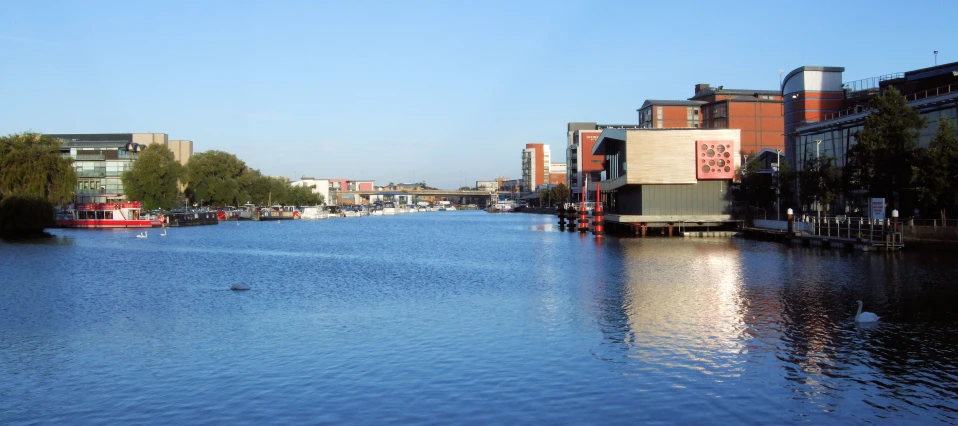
[[443, 91]]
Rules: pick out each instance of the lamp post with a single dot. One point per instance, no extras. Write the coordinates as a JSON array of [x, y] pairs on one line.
[[936, 58]]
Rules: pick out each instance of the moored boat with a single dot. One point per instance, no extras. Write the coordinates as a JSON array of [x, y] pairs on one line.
[[126, 214]]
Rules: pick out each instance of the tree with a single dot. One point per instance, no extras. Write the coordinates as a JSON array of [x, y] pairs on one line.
[[937, 178], [465, 188], [559, 193], [33, 177], [887, 146], [820, 182], [211, 178], [31, 166], [154, 178]]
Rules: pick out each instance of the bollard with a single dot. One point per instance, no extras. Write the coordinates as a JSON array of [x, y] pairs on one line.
[[561, 212], [583, 219], [644, 228], [791, 222], [597, 222], [570, 214]]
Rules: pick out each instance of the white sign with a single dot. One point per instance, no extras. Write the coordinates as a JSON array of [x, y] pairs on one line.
[[877, 210]]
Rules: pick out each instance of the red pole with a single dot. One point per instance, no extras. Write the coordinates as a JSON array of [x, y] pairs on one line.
[[597, 222]]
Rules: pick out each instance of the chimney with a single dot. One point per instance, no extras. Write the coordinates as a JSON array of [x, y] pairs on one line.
[[700, 87]]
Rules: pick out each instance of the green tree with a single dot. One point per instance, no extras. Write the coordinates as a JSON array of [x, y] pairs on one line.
[[559, 193], [820, 181], [154, 178], [465, 188], [212, 178], [31, 166], [886, 152], [33, 177], [761, 188], [937, 178]]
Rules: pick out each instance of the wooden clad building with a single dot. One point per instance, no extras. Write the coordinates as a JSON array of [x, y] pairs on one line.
[[658, 176]]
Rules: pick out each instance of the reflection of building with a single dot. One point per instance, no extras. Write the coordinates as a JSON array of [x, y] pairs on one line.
[[658, 176], [536, 160]]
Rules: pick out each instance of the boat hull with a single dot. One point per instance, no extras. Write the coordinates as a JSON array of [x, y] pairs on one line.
[[105, 224]]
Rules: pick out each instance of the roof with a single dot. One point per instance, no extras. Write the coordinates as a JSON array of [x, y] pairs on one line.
[[798, 70], [95, 144], [650, 102], [735, 92]]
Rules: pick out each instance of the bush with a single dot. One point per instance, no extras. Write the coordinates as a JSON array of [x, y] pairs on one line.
[[25, 217]]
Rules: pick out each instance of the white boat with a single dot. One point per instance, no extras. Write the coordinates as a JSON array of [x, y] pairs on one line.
[[389, 208], [314, 213]]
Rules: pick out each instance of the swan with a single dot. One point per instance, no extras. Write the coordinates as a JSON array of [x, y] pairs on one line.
[[864, 316], [239, 287], [143, 235], [164, 233]]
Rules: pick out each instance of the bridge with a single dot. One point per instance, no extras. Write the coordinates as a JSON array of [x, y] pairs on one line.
[[465, 196]]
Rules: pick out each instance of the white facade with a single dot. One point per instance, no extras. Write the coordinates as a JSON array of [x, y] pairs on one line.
[[319, 186]]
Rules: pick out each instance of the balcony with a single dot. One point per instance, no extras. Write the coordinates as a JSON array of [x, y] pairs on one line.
[[90, 157], [91, 173]]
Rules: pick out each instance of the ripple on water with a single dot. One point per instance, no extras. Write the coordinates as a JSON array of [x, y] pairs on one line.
[[466, 317]]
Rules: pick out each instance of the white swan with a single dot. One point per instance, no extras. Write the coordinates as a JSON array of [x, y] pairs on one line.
[[864, 316], [164, 233], [143, 235]]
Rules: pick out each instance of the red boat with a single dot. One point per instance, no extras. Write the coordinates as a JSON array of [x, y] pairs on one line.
[[108, 215]]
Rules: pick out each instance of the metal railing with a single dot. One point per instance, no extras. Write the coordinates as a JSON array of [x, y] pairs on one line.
[[857, 228], [99, 172], [90, 157], [930, 93]]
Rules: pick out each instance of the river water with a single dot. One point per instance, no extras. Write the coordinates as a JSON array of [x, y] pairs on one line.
[[467, 318]]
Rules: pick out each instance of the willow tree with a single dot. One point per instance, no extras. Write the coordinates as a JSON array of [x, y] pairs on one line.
[[211, 178], [154, 178], [33, 177]]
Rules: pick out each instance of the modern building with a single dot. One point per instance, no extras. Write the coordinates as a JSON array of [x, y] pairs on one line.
[[182, 149], [824, 115], [101, 158], [557, 173], [757, 113], [581, 164], [536, 160], [99, 166], [319, 186], [668, 177], [487, 185]]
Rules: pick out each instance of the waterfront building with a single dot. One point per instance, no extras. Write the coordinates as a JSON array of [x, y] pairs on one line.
[[182, 149], [660, 177], [487, 185], [99, 166], [100, 159], [318, 186], [536, 160], [756, 113], [557, 173], [581, 164], [823, 115]]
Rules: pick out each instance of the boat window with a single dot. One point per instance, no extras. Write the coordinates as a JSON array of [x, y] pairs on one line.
[[108, 215]]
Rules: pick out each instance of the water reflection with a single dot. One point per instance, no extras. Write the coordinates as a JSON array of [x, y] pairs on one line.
[[723, 317]]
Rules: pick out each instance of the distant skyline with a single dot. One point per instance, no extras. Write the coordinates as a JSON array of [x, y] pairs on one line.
[[443, 92]]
